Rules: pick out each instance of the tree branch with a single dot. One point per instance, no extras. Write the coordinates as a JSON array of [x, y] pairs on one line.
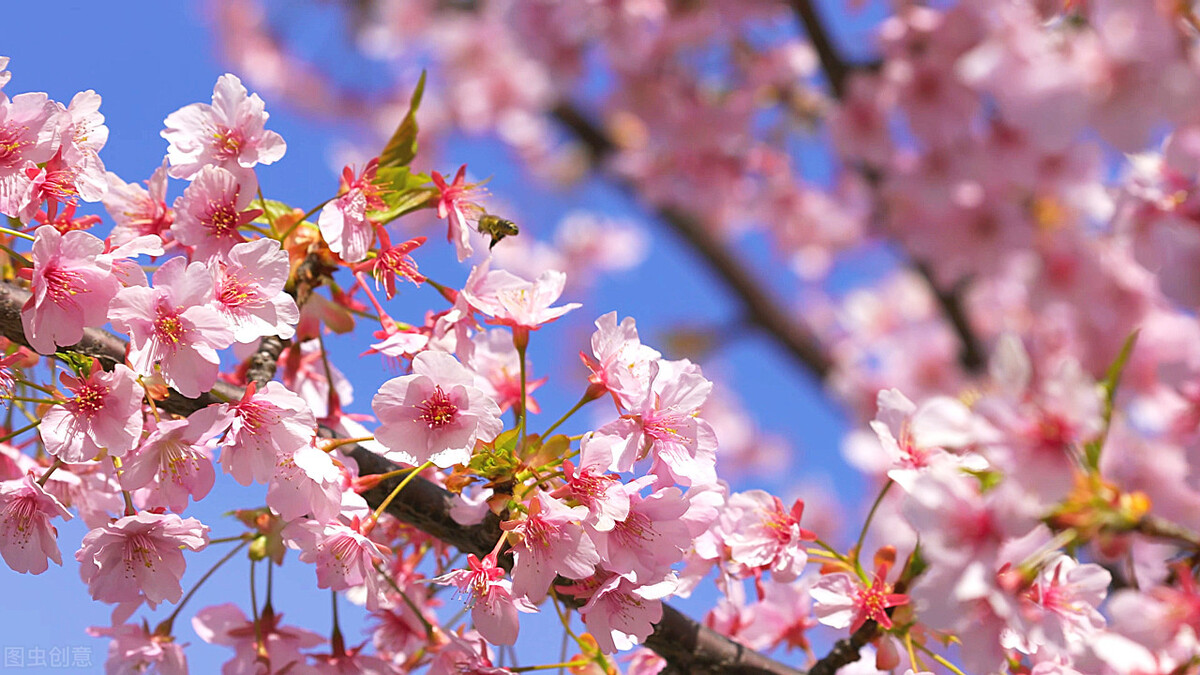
[[764, 310], [688, 646], [972, 355], [836, 69]]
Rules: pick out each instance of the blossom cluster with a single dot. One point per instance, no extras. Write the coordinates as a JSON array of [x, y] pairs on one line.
[[1038, 512]]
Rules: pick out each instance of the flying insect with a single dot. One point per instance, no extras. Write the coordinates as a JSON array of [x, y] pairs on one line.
[[497, 228]]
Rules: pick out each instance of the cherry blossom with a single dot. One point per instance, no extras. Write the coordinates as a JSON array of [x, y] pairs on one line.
[[760, 535], [27, 539], [436, 414], [493, 607], [344, 556], [103, 415], [171, 327], [138, 557], [83, 135], [264, 427], [343, 221], [173, 462], [135, 649], [29, 137], [248, 285], [550, 542], [305, 483], [621, 614], [392, 263], [455, 204], [840, 600], [137, 210], [212, 210], [512, 301], [73, 286], [227, 625], [622, 363], [227, 134]]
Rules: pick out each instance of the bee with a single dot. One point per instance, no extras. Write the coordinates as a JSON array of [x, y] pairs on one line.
[[496, 227]]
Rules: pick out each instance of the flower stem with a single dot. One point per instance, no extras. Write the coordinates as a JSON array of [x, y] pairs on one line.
[[337, 642], [429, 630], [15, 233], [46, 476], [28, 399], [164, 628], [130, 510], [940, 659], [263, 201], [548, 666], [18, 432], [334, 443], [862, 535], [521, 341], [306, 216], [387, 502], [584, 400]]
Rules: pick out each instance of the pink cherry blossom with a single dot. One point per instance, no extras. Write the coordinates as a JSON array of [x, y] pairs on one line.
[[465, 655], [343, 222], [228, 625], [513, 301], [664, 423], [73, 286], [172, 328], [649, 540], [83, 135], [213, 209], [620, 614], [456, 206], [602, 493], [27, 539], [436, 414], [498, 365], [914, 437], [1060, 609], [305, 482], [489, 594], [392, 263], [134, 649], [28, 137], [136, 210], [249, 290], [263, 427], [760, 535], [173, 462], [842, 601], [103, 415], [344, 556], [622, 363], [229, 133], [138, 557], [551, 543]]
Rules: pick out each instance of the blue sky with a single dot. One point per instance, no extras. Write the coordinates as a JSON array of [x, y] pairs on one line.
[[147, 59]]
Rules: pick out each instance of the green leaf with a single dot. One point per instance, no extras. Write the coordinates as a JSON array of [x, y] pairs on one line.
[[403, 192], [402, 147], [1109, 385], [272, 210]]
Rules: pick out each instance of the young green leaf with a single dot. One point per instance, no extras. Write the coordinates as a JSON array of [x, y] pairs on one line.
[[402, 147]]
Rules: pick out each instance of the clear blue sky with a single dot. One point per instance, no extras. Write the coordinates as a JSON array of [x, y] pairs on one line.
[[147, 59]]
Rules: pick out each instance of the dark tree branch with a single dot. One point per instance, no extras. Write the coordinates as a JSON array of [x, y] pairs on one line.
[[972, 355], [836, 69], [688, 646]]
